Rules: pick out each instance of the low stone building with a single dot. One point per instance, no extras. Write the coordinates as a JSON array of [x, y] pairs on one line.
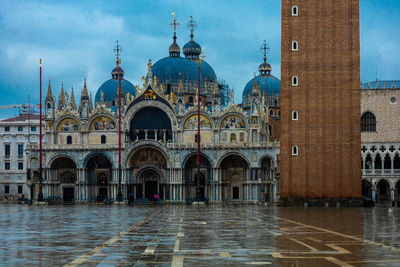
[[16, 134], [380, 135]]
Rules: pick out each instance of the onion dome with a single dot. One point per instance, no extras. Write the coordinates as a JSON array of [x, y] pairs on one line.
[[265, 68], [116, 72], [192, 50], [174, 49], [110, 87]]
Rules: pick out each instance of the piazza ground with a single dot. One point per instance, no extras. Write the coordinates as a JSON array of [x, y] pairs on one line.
[[198, 235]]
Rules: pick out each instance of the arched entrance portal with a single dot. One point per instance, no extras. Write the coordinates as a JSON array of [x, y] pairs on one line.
[[63, 170], [98, 173], [150, 188], [233, 176], [147, 172], [193, 181], [383, 190]]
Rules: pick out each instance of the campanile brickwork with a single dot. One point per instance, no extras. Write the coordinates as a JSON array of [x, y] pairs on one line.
[[327, 98]]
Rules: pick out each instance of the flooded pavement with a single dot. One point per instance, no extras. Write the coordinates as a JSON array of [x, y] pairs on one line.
[[200, 235]]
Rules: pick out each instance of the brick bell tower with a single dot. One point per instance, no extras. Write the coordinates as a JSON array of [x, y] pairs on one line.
[[320, 103]]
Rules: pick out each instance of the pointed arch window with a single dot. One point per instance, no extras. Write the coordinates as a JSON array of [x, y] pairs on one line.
[[271, 112], [368, 122]]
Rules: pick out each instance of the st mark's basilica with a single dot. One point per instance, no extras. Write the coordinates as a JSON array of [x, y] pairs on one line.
[[159, 137]]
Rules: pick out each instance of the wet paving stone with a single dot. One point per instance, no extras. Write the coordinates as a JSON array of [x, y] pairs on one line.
[[251, 235]]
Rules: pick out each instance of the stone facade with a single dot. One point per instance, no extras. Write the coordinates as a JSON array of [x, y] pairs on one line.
[[16, 135], [380, 149], [320, 80], [158, 150]]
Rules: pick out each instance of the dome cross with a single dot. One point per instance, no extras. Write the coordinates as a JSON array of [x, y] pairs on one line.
[[265, 48], [118, 51], [174, 24], [191, 26]]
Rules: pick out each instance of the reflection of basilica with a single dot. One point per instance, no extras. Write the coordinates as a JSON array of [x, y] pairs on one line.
[[159, 130]]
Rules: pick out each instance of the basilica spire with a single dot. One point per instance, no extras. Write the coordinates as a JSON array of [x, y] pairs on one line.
[[84, 94], [256, 89], [61, 99], [174, 49], [49, 95], [90, 102], [72, 102]]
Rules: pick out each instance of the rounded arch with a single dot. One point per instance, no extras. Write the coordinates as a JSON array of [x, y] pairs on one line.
[[99, 117], [225, 117], [148, 122], [234, 153], [144, 155], [145, 143], [194, 113], [51, 161], [268, 156], [383, 189], [68, 123], [93, 154], [189, 155], [34, 163], [64, 170], [149, 104], [144, 169]]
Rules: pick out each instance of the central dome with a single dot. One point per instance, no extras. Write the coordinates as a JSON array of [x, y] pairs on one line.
[[173, 69]]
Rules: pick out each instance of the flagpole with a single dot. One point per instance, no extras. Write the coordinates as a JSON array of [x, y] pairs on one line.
[[198, 135], [40, 195], [119, 194]]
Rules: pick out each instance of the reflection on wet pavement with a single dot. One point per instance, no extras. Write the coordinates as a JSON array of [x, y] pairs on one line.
[[199, 235]]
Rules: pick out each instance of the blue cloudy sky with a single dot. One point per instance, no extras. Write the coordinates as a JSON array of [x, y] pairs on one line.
[[76, 40]]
